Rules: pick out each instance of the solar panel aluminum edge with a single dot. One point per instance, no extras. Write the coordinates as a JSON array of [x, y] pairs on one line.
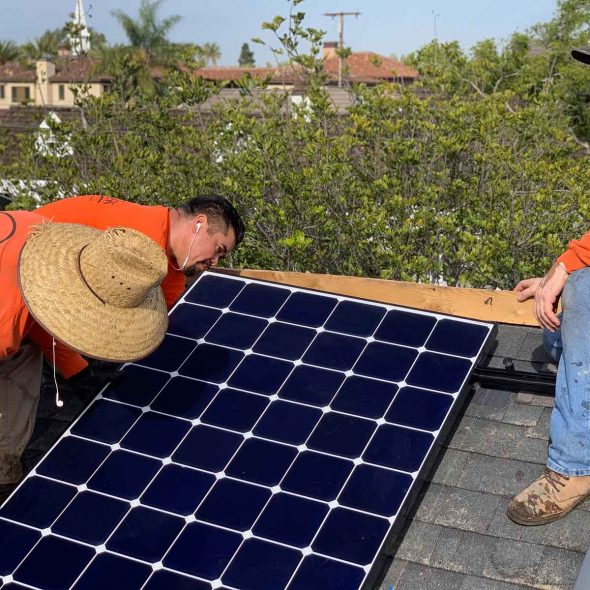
[[273, 441]]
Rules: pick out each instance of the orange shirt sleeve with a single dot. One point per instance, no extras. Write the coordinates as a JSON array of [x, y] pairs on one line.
[[577, 255]]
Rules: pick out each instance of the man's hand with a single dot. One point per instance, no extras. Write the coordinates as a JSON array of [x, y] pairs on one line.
[[547, 294], [526, 288]]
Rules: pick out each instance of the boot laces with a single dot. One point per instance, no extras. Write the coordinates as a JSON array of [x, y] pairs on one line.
[[555, 480]]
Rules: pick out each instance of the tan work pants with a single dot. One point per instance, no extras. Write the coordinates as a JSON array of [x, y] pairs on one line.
[[20, 389]]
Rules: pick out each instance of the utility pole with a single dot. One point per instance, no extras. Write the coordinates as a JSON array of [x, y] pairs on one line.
[[435, 16], [340, 16]]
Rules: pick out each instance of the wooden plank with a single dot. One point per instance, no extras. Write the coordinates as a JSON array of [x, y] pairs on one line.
[[479, 304]]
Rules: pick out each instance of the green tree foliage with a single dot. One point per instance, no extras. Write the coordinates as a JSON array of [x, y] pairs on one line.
[[46, 45], [246, 59], [211, 53], [480, 178], [9, 51], [147, 33]]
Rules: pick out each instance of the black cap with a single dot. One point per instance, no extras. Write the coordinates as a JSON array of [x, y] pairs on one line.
[[582, 54]]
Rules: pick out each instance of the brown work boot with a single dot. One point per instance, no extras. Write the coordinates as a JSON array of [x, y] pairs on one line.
[[548, 498]]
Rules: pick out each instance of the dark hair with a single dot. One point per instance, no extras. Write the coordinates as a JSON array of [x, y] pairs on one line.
[[218, 210]]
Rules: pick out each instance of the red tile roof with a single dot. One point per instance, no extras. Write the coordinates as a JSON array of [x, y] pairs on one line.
[[366, 66], [80, 69], [17, 72], [232, 74]]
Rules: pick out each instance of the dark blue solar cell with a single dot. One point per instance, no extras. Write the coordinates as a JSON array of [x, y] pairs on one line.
[[326, 574], [260, 300], [156, 434], [440, 372], [311, 385], [259, 565], [138, 387], [261, 461], [90, 518], [186, 398], [405, 327], [377, 490], [341, 435], [365, 397], [170, 354], [233, 504], [351, 536], [202, 550], [307, 309], [316, 475], [214, 291], [261, 374], [211, 363], [285, 341], [111, 571], [287, 422], [460, 338], [192, 321], [178, 489], [208, 448], [235, 410], [399, 448], [334, 351], [124, 474], [291, 520], [54, 564], [106, 421], [15, 542], [135, 535], [385, 361], [24, 505], [73, 460], [165, 580], [358, 319], [237, 331], [419, 408]]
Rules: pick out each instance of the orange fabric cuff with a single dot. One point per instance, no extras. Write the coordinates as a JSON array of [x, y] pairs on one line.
[[571, 261]]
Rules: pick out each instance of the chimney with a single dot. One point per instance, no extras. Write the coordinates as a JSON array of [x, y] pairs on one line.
[[45, 70], [330, 48]]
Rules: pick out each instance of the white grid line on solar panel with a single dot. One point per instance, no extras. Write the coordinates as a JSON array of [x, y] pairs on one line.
[[320, 330], [261, 511], [390, 519]]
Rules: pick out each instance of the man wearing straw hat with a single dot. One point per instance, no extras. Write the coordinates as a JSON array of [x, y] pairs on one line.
[[195, 236], [93, 292]]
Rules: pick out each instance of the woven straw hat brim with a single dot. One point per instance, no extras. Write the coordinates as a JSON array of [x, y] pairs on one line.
[[60, 301]]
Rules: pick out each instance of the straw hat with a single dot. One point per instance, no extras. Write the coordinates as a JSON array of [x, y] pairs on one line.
[[98, 292]]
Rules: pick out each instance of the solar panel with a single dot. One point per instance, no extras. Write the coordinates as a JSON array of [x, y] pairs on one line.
[[271, 442]]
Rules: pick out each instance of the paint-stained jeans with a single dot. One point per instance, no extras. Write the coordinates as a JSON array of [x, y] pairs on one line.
[[569, 433]]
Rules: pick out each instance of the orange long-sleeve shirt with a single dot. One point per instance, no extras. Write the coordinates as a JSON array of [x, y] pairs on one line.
[[577, 255], [15, 321], [102, 212]]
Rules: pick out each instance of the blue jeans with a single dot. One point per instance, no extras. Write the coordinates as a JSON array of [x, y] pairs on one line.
[[569, 432]]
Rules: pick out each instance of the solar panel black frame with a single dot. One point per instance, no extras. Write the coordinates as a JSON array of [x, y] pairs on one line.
[[45, 526]]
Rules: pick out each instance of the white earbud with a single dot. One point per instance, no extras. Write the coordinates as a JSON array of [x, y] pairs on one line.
[[197, 227]]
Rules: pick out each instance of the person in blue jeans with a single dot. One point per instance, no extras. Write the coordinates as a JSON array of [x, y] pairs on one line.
[[565, 482]]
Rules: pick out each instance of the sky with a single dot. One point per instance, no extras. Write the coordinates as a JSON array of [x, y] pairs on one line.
[[387, 27]]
